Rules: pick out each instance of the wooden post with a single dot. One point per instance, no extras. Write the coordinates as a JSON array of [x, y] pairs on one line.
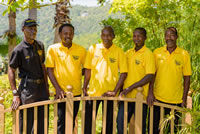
[[188, 118], [55, 118], [83, 117], [114, 116], [94, 117], [138, 111], [24, 121], [2, 116], [69, 111]]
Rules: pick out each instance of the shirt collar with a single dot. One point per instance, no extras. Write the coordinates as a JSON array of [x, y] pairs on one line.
[[62, 46], [177, 50], [101, 46], [141, 50], [27, 45]]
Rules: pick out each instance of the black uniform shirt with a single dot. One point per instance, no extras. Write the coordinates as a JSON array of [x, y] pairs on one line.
[[28, 58]]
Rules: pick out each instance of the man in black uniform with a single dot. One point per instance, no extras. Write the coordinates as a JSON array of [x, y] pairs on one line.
[[29, 57]]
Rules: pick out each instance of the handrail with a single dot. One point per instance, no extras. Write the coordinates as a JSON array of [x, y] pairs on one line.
[[69, 114]]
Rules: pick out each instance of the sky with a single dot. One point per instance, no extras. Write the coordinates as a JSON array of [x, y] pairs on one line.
[[73, 2], [84, 2]]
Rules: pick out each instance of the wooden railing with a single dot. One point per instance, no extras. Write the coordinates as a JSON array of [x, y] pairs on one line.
[[135, 126]]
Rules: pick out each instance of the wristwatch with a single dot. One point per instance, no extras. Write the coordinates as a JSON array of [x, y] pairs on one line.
[[15, 92]]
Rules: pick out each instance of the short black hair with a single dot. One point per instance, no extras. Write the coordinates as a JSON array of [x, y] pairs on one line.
[[65, 25], [109, 28], [142, 30], [173, 29]]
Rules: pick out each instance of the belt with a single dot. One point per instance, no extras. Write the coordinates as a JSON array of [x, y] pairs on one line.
[[37, 81]]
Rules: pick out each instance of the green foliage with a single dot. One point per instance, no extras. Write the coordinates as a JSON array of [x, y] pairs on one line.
[[4, 46]]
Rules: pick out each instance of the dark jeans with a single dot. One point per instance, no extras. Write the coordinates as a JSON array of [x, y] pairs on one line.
[[30, 93], [61, 115], [131, 111], [156, 118], [88, 116]]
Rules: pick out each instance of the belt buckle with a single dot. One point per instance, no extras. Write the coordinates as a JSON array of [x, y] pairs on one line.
[[38, 81]]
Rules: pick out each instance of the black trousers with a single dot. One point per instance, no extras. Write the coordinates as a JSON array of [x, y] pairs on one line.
[[61, 115], [156, 118], [131, 111], [88, 116], [30, 93]]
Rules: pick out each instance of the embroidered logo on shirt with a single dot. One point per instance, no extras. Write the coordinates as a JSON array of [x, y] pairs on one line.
[[27, 57], [137, 62], [178, 63], [112, 60], [40, 52], [96, 56], [75, 57]]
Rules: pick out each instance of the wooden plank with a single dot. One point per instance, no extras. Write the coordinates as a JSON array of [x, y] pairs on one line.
[[172, 121], [55, 127], [2, 117], [69, 113], [125, 116], [94, 117], [114, 116], [17, 121], [45, 119], [183, 121], [151, 120], [24, 121], [161, 125], [41, 103], [104, 117], [132, 125], [14, 122], [35, 119], [83, 117], [138, 111]]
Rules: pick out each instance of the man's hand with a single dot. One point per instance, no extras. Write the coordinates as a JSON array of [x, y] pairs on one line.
[[184, 103], [59, 94], [85, 92], [150, 99], [124, 92], [109, 94], [15, 103]]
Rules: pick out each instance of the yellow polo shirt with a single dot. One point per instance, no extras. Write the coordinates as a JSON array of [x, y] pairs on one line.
[[105, 65], [170, 69], [140, 63], [67, 64]]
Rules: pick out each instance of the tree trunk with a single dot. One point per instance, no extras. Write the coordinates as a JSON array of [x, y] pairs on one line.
[[62, 16], [12, 32], [32, 12]]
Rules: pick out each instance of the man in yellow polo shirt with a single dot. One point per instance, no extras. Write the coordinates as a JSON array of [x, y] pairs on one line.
[[141, 69], [103, 63], [64, 64], [172, 81]]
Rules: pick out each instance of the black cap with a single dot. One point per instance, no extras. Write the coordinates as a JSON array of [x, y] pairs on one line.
[[29, 22]]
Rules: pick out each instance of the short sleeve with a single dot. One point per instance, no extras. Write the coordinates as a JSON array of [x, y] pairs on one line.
[[122, 62], [155, 59], [187, 65], [50, 58], [89, 57], [83, 56], [149, 63], [15, 58]]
